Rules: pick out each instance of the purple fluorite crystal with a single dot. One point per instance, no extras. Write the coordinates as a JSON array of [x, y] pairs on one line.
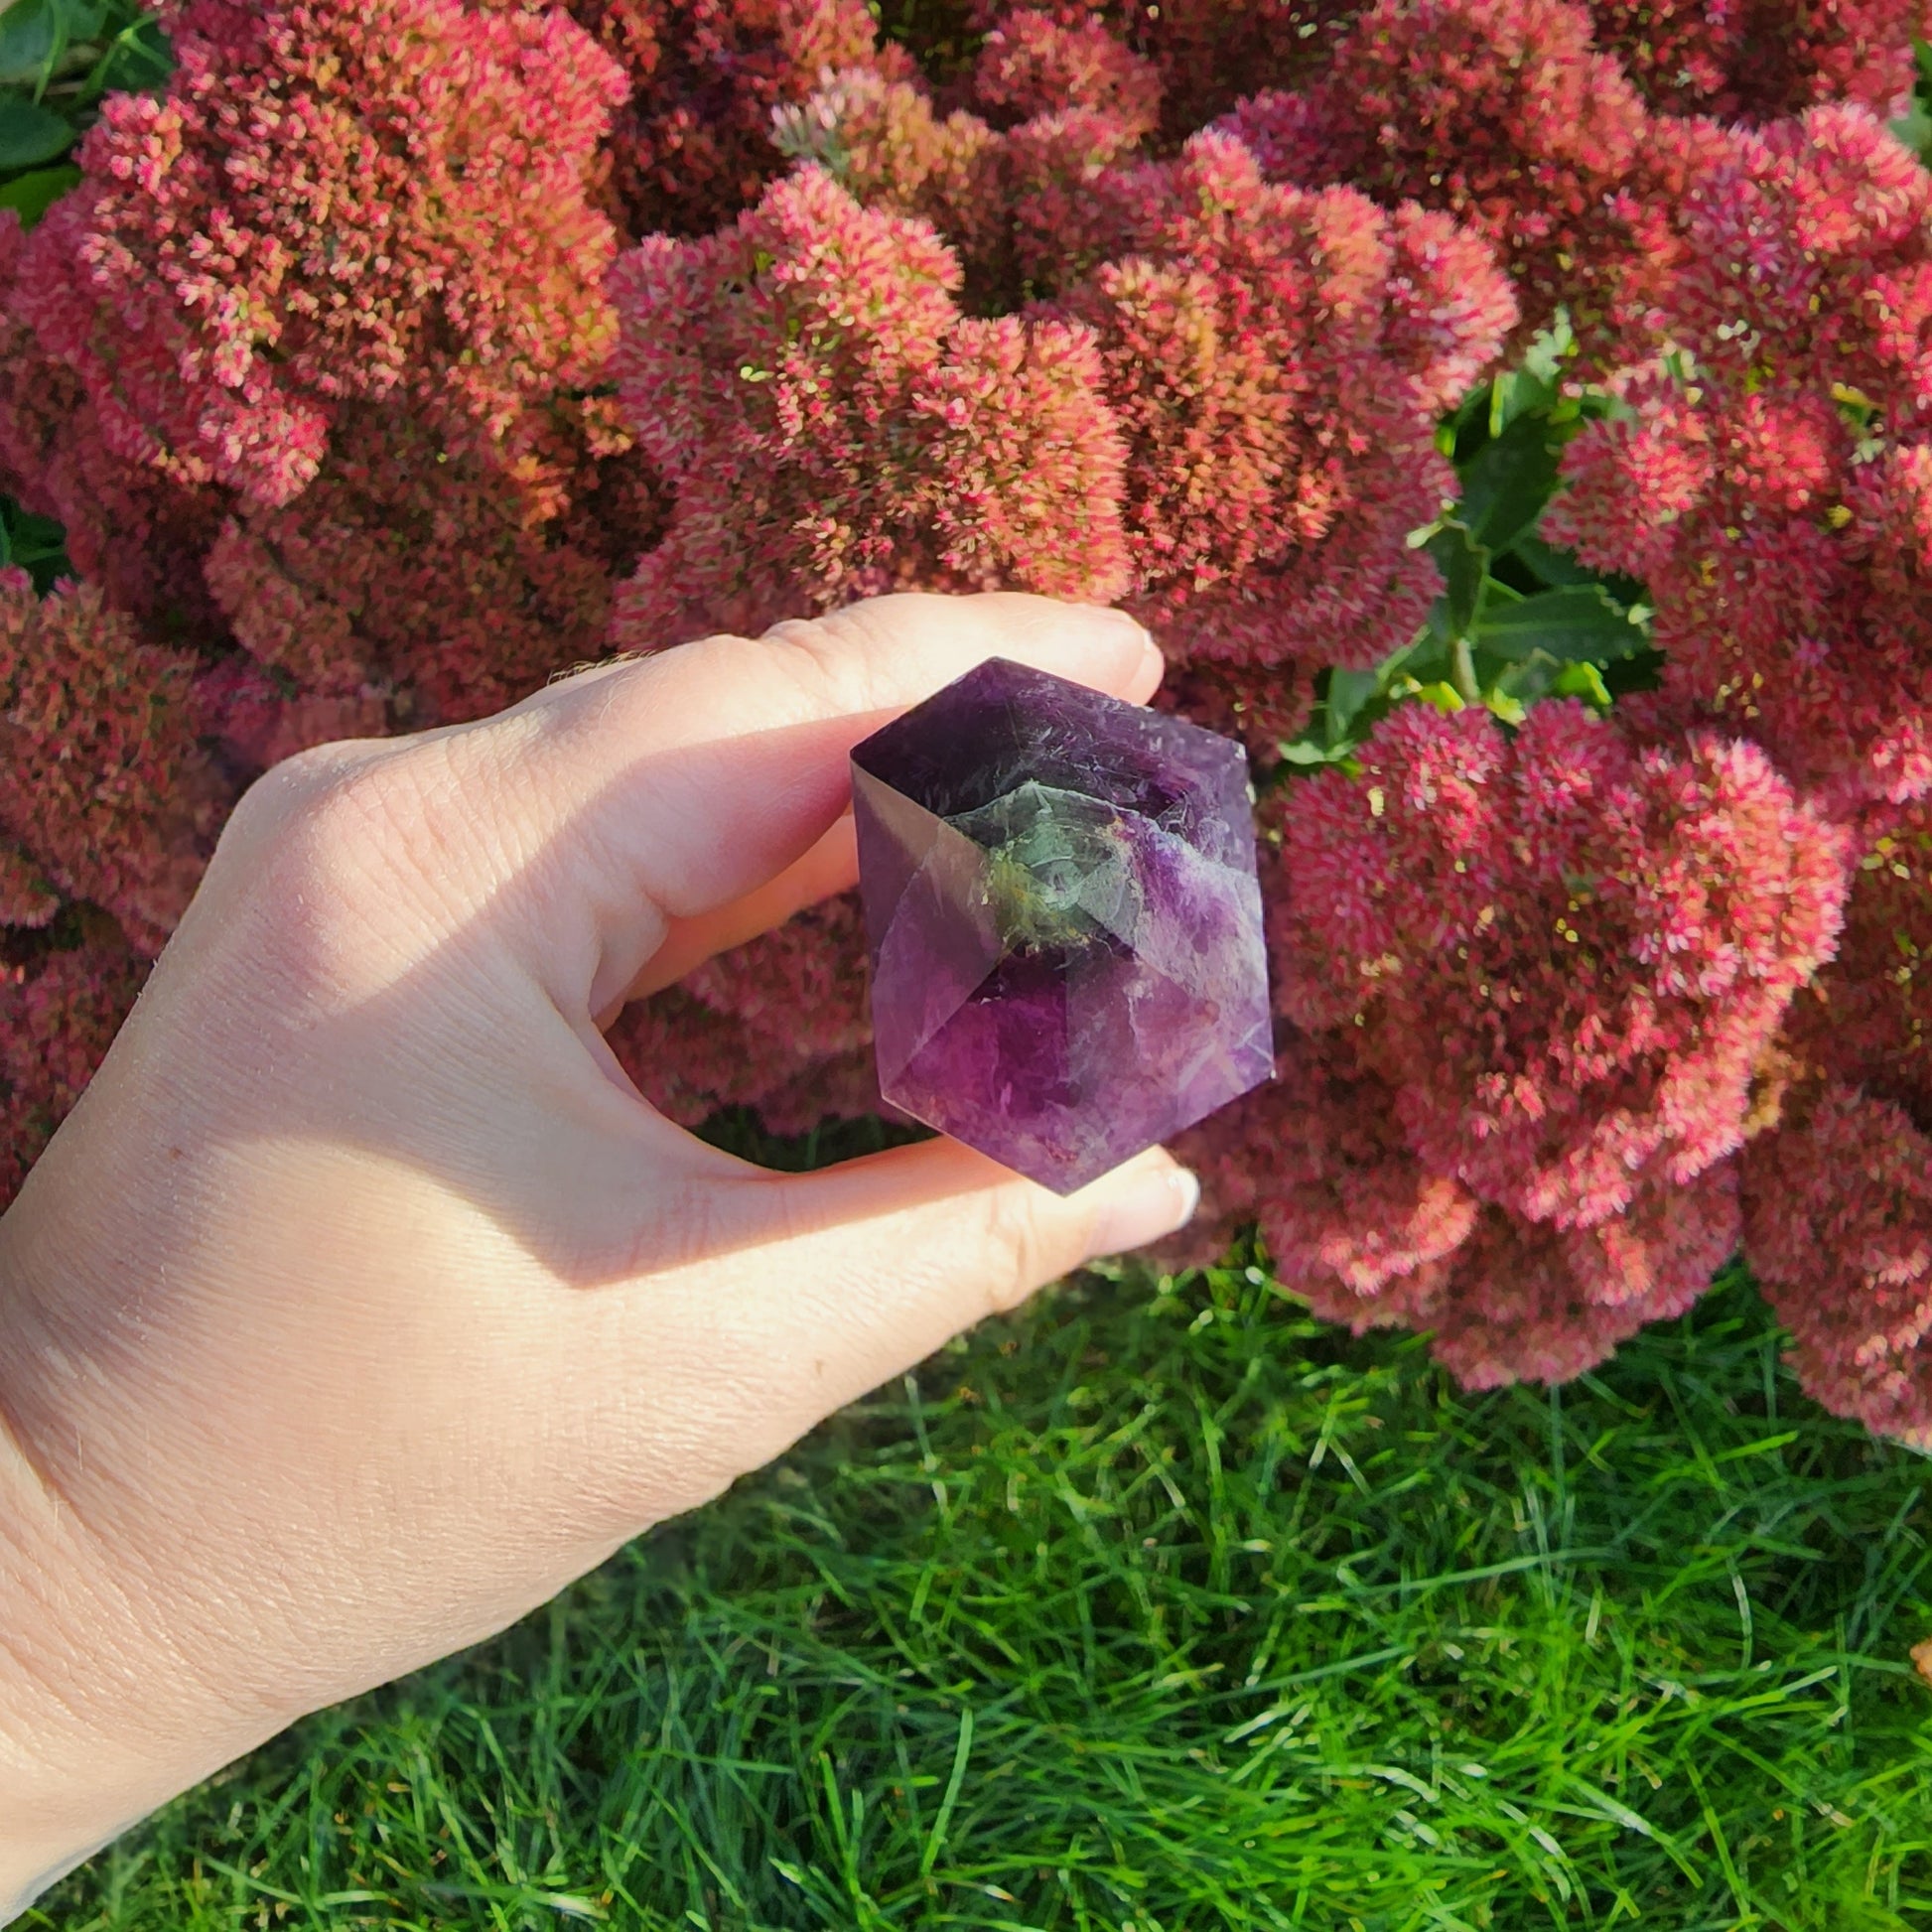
[[1065, 921]]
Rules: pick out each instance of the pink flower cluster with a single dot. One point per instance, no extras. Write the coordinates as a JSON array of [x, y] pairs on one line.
[[434, 244], [1532, 982], [780, 1024], [1755, 59], [1503, 112], [60, 1010], [1751, 60], [1839, 1227], [129, 529], [691, 143], [1205, 54], [450, 583], [107, 800], [1839, 1198], [830, 424], [1230, 420], [108, 797], [1773, 481], [359, 419]]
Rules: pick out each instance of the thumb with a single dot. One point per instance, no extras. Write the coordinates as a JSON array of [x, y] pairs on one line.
[[888, 1257]]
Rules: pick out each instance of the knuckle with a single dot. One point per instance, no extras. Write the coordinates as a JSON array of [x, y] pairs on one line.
[[269, 836], [270, 804], [1018, 1253], [832, 659], [338, 813], [336, 851]]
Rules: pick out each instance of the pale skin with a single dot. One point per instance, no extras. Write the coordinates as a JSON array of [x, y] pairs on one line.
[[362, 1302]]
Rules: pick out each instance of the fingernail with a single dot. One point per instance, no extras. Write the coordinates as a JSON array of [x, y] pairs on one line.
[[1152, 664], [1143, 1206], [1115, 618]]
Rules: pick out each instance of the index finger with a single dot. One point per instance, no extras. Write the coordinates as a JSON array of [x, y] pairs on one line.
[[675, 786]]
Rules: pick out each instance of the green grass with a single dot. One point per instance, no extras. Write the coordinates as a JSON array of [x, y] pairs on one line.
[[1162, 1606]]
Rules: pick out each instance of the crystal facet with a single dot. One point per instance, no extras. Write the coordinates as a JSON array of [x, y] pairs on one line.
[[1065, 921]]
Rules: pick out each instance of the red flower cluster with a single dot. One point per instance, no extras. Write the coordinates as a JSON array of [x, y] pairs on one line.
[[830, 424], [434, 244], [1871, 1022], [129, 529], [1839, 1227], [1504, 112], [1754, 60], [59, 1010], [462, 581], [1205, 53], [107, 800], [1773, 484], [1232, 420], [1276, 360], [1158, 304], [108, 793], [1028, 206], [1531, 983], [1751, 60], [294, 365], [692, 145], [778, 1024], [1839, 1199], [1566, 955]]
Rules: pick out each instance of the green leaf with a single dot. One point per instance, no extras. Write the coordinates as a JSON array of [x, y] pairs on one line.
[[40, 40], [31, 538], [1541, 676], [1469, 413], [1509, 480], [1915, 126], [1583, 681], [140, 58], [1464, 564], [36, 543], [31, 134], [1555, 567], [31, 195], [1517, 394], [1438, 696], [1580, 623], [30, 39], [1550, 349], [1348, 692], [1305, 751]]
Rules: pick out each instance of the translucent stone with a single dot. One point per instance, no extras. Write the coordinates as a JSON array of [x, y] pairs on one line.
[[1067, 962]]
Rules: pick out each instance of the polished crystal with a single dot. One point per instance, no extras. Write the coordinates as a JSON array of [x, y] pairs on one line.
[[1063, 919]]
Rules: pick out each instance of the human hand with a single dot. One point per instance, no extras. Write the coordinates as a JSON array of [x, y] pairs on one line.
[[361, 1303]]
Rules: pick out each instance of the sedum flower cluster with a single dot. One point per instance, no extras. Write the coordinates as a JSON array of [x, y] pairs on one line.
[[399, 353], [1534, 980]]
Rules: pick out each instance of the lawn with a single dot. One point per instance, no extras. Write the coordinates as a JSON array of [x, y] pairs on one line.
[[1162, 1606]]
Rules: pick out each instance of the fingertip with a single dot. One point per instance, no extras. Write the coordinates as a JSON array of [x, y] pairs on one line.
[[1099, 644], [1149, 1198], [926, 638], [1148, 674], [1143, 665]]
